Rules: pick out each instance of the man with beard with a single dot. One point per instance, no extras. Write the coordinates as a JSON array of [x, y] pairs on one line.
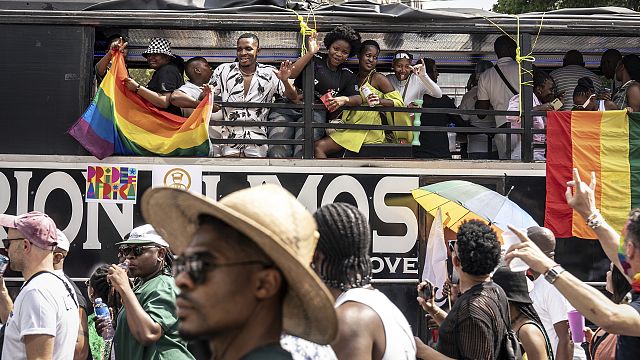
[[147, 327], [249, 81], [244, 270]]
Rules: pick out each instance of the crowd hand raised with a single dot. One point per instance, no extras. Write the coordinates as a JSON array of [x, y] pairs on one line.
[[582, 198], [284, 72], [120, 45], [313, 46], [528, 252], [130, 84], [118, 278], [420, 69]]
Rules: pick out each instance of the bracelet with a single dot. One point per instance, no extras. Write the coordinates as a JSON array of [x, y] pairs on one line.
[[138, 88], [595, 220]]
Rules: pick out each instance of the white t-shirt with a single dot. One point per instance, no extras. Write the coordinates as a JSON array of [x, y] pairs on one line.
[[550, 306], [400, 344], [43, 306], [476, 143]]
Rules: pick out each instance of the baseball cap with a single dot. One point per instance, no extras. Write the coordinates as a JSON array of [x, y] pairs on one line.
[[144, 234], [36, 227], [63, 242]]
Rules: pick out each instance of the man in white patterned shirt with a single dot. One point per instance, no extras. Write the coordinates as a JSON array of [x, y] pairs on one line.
[[249, 81]]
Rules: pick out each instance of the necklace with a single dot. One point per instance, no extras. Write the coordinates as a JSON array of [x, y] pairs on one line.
[[245, 74]]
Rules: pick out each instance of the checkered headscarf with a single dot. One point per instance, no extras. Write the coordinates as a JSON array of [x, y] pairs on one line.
[[158, 46]]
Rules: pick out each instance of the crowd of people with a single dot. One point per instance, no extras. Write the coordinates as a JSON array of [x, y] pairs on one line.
[[413, 83], [256, 276]]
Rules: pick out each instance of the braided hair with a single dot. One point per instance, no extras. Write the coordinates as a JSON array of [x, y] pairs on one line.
[[345, 238], [103, 289]]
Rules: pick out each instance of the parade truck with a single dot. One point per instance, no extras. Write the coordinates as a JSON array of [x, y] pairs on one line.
[[49, 50]]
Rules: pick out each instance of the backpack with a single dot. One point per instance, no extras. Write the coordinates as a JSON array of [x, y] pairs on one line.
[[510, 345]]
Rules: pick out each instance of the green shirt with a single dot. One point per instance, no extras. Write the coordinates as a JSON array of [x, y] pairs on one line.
[[268, 352], [157, 296], [96, 342]]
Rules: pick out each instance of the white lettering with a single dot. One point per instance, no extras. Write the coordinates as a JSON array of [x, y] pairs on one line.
[[63, 181], [22, 201], [5, 199], [308, 195], [122, 220], [410, 266], [380, 266], [211, 186], [257, 180], [347, 184], [398, 244], [394, 266]]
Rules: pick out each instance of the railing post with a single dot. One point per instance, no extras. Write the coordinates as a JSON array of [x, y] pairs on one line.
[[526, 100], [307, 114]]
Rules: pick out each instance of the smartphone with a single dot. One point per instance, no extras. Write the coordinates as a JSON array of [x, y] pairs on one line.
[[426, 291], [556, 103]]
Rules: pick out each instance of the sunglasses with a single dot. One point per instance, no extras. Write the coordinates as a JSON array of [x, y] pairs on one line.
[[586, 103], [198, 264], [7, 242], [124, 251]]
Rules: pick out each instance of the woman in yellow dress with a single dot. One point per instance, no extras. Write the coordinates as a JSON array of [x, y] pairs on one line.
[[376, 90]]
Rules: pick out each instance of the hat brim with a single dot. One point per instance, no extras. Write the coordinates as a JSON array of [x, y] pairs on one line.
[[308, 310], [8, 221], [138, 242], [145, 54]]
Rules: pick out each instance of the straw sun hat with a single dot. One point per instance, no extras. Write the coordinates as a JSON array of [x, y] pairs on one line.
[[278, 224]]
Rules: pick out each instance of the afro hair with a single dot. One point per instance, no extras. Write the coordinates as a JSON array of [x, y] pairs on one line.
[[346, 33], [478, 248]]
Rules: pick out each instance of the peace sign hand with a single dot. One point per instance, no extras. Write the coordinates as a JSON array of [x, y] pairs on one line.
[[582, 199]]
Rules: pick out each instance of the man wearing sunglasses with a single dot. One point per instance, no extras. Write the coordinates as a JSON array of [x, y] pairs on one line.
[[244, 270], [43, 322], [147, 326]]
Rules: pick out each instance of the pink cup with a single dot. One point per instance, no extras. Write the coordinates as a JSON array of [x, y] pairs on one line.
[[576, 324]]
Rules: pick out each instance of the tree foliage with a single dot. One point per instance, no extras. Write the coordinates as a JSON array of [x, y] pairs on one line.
[[524, 6]]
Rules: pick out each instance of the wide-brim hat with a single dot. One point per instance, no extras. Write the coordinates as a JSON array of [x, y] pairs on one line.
[[144, 234], [514, 284], [279, 224], [158, 46]]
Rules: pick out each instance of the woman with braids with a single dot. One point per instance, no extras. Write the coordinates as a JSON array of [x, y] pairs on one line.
[[376, 90], [525, 321], [335, 84], [370, 326], [98, 287], [147, 325], [584, 97], [628, 73]]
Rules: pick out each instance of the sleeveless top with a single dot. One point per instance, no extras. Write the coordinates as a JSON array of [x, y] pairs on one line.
[[400, 344], [620, 97], [546, 339]]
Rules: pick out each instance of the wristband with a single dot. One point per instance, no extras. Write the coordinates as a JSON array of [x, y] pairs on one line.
[[552, 274], [595, 220]]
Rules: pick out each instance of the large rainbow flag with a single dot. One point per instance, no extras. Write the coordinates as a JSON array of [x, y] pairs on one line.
[[607, 143], [120, 122]]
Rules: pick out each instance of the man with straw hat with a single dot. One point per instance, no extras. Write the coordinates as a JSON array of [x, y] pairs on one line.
[[244, 269]]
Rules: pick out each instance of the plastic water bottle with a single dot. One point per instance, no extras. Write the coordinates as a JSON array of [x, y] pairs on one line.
[[124, 265], [4, 262], [102, 311], [366, 92]]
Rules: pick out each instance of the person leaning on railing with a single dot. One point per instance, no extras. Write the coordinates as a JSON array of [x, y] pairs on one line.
[[375, 89]]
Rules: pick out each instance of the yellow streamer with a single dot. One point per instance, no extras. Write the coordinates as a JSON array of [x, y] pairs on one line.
[[519, 58]]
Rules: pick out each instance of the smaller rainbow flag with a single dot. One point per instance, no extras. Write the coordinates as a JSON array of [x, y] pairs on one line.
[[120, 122], [607, 143]]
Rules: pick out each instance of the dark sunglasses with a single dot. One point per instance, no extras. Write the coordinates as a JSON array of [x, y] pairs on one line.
[[6, 242], [198, 264], [124, 251]]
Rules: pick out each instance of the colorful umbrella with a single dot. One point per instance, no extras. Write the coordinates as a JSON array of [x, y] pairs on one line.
[[464, 200]]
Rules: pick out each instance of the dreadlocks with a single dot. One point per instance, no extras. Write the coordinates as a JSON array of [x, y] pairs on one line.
[[102, 289], [345, 238]]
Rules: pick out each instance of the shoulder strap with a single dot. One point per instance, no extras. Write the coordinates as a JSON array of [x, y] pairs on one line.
[[504, 79], [406, 86], [69, 290]]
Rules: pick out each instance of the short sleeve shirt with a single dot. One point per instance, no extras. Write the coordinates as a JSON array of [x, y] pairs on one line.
[[157, 296], [167, 79], [342, 82], [550, 306], [474, 329], [628, 347], [44, 306], [566, 79], [228, 83], [491, 86]]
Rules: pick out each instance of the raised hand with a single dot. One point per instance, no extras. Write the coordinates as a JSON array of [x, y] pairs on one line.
[[313, 46], [582, 199], [285, 70], [528, 252], [420, 69]]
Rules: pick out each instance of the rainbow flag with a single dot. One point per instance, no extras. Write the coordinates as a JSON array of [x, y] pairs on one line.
[[607, 143], [120, 122]]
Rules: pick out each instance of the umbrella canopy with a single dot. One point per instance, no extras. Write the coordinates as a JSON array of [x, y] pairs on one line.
[[464, 200]]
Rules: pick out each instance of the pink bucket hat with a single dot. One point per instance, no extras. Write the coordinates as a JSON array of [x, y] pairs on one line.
[[36, 227]]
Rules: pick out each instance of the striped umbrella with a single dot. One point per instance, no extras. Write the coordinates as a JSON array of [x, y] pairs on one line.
[[463, 200]]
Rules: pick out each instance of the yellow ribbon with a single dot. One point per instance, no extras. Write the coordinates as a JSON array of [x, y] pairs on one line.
[[519, 58]]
